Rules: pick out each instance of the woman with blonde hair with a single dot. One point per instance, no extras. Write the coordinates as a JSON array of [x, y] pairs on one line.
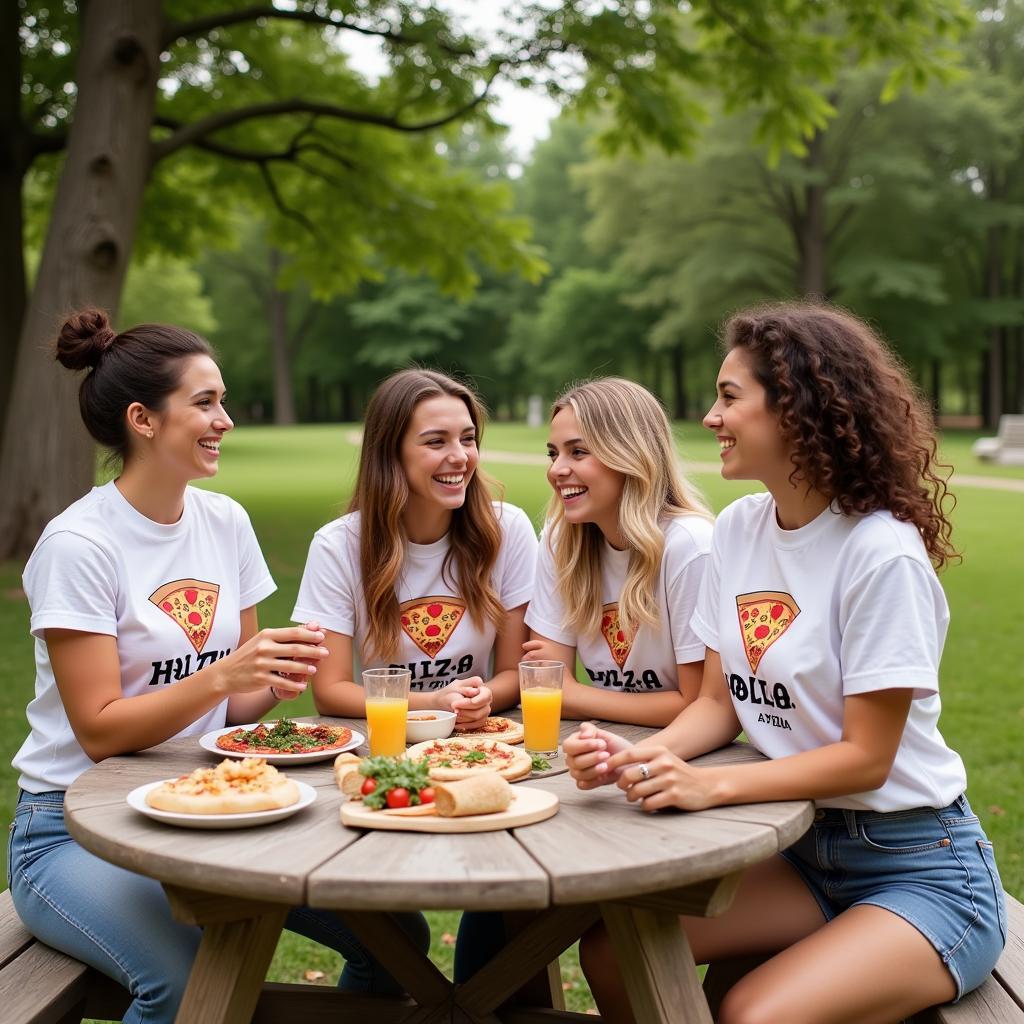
[[622, 557], [423, 540]]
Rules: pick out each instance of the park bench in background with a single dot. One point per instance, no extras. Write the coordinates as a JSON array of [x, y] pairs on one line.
[[999, 1001], [38, 985], [1007, 447]]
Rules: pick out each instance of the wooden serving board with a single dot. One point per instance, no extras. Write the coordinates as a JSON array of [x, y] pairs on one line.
[[528, 806]]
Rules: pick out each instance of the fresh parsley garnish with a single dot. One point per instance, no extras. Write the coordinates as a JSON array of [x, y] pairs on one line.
[[474, 755], [538, 764], [394, 773]]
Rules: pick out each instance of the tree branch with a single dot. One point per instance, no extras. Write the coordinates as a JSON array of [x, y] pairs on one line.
[[738, 30], [222, 19], [198, 131], [283, 207]]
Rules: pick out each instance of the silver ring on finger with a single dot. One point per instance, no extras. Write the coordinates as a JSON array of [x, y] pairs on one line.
[[645, 772]]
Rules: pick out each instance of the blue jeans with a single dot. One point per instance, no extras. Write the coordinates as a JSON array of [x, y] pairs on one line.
[[120, 922]]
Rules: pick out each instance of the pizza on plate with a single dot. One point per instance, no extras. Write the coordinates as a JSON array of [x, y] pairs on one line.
[[495, 728], [284, 737], [619, 642], [462, 757], [764, 617], [233, 787], [192, 604], [429, 621]]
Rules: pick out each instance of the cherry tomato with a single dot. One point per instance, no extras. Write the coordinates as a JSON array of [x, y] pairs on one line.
[[368, 786], [398, 797], [427, 795]]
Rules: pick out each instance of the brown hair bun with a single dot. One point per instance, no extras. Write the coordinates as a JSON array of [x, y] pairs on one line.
[[84, 338]]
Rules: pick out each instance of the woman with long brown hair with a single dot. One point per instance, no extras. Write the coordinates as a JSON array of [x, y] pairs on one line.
[[824, 623], [423, 542]]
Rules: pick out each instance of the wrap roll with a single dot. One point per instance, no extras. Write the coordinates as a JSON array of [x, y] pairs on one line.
[[347, 775], [486, 793]]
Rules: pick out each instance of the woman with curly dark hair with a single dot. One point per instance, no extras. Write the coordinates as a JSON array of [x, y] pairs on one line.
[[824, 624]]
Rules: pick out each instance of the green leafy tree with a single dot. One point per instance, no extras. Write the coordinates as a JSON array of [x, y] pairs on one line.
[[125, 91]]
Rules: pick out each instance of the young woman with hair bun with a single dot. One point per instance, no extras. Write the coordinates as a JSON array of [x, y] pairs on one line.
[[118, 672], [824, 624], [622, 558]]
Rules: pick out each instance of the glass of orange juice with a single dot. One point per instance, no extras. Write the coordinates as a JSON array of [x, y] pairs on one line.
[[540, 693], [387, 704]]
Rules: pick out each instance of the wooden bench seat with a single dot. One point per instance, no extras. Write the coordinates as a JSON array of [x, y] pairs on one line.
[[1007, 447], [1000, 1000], [38, 985]]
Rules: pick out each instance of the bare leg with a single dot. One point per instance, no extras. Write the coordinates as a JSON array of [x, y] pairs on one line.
[[868, 966], [773, 909]]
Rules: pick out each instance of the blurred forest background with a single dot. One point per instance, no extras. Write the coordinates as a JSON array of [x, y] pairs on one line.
[[910, 212], [240, 169]]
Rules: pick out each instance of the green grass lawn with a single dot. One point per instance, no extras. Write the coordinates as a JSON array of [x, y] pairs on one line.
[[293, 480]]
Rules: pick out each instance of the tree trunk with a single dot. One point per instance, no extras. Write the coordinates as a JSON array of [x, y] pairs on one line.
[[995, 369], [14, 160], [47, 459], [678, 382], [935, 385], [813, 273], [277, 314]]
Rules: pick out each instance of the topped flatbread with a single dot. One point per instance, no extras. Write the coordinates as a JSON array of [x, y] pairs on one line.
[[192, 604], [233, 787], [284, 737], [462, 757], [495, 728], [430, 621], [764, 617]]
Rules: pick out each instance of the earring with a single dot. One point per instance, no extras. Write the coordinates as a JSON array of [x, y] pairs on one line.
[[149, 433]]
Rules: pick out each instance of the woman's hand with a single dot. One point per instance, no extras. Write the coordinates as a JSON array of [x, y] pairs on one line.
[[542, 650], [587, 753], [657, 778], [468, 698], [282, 658]]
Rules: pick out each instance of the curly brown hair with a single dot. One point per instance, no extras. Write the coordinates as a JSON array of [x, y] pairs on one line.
[[860, 432]]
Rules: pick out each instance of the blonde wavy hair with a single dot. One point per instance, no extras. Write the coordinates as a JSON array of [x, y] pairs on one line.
[[625, 427], [381, 493]]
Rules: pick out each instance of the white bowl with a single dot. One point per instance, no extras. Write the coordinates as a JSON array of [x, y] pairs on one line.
[[428, 725]]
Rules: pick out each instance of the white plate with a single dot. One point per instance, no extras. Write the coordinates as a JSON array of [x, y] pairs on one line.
[[209, 742], [137, 800]]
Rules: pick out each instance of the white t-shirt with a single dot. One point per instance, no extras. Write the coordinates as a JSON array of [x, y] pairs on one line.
[[438, 640], [804, 618], [648, 663], [171, 595]]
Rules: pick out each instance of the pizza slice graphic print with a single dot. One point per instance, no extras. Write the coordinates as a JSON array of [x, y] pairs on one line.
[[430, 621], [764, 617], [615, 636], [192, 604]]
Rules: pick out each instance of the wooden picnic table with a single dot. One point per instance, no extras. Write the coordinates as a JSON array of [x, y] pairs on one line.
[[599, 856]]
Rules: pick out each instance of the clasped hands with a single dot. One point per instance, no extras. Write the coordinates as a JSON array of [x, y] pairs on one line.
[[596, 757]]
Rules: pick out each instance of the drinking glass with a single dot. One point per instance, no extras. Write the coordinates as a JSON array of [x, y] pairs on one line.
[[540, 692], [387, 705]]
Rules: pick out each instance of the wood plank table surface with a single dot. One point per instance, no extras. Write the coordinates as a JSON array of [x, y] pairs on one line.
[[599, 856]]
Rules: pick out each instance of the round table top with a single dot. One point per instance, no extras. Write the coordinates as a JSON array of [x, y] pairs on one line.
[[597, 847]]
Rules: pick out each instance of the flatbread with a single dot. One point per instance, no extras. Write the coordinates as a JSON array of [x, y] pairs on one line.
[[284, 737], [486, 793], [495, 728], [447, 760], [233, 787], [347, 774]]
